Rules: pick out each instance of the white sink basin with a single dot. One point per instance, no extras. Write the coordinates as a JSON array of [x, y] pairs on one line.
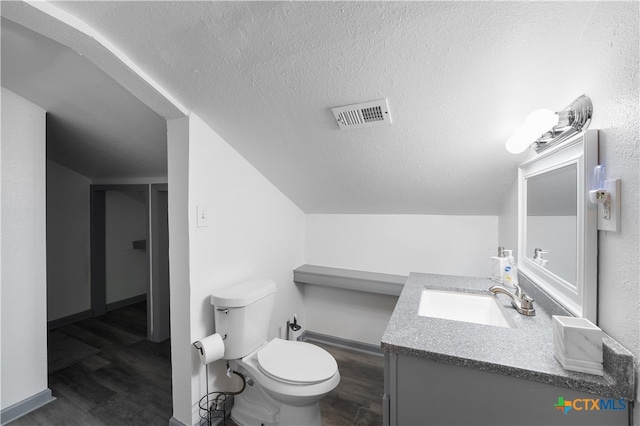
[[467, 307]]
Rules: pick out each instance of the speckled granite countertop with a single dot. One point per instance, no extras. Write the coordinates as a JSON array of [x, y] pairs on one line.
[[525, 351]]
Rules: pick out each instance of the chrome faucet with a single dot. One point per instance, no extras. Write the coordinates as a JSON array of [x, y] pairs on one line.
[[520, 301]]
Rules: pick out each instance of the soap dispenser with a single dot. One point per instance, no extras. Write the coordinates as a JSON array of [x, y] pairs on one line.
[[499, 264], [511, 270]]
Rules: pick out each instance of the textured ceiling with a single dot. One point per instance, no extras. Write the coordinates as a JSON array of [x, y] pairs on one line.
[[459, 78]]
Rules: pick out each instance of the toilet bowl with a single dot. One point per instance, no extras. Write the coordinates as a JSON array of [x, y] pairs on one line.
[[285, 382]]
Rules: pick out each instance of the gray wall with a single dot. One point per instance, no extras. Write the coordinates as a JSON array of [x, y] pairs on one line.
[[126, 221], [68, 256]]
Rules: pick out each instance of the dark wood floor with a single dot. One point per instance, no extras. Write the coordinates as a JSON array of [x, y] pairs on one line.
[[358, 398], [128, 382]]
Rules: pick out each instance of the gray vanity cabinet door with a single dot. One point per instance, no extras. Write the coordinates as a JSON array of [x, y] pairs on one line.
[[425, 392]]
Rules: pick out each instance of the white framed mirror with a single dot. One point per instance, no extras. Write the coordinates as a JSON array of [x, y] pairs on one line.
[[557, 224]]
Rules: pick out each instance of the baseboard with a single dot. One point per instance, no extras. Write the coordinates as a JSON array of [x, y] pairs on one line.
[[126, 302], [26, 406], [69, 319], [341, 342], [175, 422]]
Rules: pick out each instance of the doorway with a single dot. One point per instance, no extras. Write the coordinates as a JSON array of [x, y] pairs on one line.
[[96, 346], [117, 277]]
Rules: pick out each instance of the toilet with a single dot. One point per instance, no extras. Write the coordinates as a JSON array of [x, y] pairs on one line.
[[285, 380]]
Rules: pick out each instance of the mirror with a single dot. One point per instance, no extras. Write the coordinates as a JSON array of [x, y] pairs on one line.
[[557, 241], [552, 221]]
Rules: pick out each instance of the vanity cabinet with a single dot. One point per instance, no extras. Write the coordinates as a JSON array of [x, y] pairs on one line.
[[424, 392], [445, 372]]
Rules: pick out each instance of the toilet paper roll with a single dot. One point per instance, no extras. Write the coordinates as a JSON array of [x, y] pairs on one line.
[[211, 348]]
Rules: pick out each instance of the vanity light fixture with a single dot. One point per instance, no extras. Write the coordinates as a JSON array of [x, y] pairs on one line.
[[564, 124], [575, 118]]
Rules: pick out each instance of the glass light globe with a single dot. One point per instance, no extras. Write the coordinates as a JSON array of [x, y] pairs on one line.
[[540, 121], [536, 123], [517, 144]]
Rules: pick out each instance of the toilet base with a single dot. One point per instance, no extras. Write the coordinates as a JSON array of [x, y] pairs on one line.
[[254, 407]]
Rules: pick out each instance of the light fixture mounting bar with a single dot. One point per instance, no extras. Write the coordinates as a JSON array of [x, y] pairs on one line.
[[571, 120]]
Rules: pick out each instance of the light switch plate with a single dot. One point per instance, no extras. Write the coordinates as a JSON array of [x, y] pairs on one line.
[[203, 216], [612, 224]]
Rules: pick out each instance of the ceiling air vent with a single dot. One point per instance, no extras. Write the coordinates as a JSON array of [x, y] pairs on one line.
[[365, 114]]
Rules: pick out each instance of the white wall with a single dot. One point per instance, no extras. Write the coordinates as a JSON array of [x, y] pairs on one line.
[[393, 244], [24, 302], [604, 66], [508, 219], [254, 231], [400, 244], [611, 80], [68, 242], [126, 267], [351, 315]]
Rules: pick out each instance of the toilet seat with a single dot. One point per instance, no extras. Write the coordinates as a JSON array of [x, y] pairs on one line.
[[296, 362]]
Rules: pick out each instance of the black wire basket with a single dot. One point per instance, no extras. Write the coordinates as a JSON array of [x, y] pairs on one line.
[[212, 407]]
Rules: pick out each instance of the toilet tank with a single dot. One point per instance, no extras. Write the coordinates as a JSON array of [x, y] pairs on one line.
[[243, 314]]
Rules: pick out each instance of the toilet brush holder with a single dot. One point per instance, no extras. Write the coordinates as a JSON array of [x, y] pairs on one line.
[[294, 329]]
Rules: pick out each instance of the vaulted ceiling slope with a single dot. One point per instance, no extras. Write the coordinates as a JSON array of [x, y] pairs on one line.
[[459, 78], [94, 125]]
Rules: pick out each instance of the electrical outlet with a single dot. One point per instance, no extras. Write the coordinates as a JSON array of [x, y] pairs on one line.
[[609, 215], [203, 216]]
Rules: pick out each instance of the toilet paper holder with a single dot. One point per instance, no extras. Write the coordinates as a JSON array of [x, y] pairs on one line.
[[208, 350], [198, 345]]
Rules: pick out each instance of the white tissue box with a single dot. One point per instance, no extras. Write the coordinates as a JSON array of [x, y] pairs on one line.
[[577, 344]]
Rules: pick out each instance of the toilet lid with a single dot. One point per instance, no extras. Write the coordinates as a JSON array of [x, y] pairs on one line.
[[296, 362]]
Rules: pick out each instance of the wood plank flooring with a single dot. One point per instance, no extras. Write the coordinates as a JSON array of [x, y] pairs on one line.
[[357, 400], [128, 382]]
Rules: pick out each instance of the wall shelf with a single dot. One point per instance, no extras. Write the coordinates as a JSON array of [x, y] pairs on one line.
[[348, 279]]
